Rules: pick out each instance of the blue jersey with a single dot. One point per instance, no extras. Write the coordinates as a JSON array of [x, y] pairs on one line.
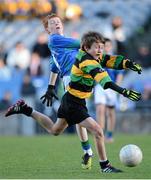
[[63, 53], [113, 73]]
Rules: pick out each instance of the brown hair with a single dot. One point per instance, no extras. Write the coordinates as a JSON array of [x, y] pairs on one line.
[[89, 38], [108, 40], [45, 19]]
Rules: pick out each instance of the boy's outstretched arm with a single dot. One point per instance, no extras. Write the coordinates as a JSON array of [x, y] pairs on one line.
[[119, 62], [130, 94], [102, 77]]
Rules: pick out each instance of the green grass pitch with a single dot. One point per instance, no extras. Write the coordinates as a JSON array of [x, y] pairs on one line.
[[49, 157]]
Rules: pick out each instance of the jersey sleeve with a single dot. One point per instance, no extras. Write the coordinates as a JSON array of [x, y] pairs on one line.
[[96, 71], [113, 62], [65, 42], [54, 68]]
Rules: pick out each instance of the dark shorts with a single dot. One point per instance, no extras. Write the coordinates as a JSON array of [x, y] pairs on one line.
[[73, 109]]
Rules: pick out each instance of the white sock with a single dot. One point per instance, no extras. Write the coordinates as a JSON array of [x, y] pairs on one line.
[[89, 151]]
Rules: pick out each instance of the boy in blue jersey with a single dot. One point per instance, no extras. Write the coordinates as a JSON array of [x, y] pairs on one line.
[[63, 52], [105, 100]]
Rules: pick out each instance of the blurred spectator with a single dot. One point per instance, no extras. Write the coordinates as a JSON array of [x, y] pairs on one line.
[[6, 101], [73, 12], [16, 82], [61, 8], [145, 103], [27, 88], [5, 72], [54, 7], [19, 56], [35, 68], [10, 80], [28, 92], [41, 8], [118, 35], [9, 9], [1, 10], [41, 47], [147, 93], [23, 8], [3, 53], [144, 56]]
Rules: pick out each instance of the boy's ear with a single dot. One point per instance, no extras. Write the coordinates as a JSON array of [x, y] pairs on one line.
[[86, 48], [46, 29]]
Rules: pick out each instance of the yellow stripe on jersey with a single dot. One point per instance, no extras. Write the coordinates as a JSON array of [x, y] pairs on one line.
[[76, 71], [88, 63], [87, 76], [124, 62], [79, 94], [111, 61], [100, 76]]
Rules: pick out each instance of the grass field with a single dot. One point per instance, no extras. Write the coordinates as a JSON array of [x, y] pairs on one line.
[[48, 157]]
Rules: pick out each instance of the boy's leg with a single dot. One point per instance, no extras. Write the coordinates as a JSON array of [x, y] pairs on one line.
[[100, 103], [59, 126], [96, 130], [83, 136], [111, 118], [22, 108], [100, 114], [87, 157], [53, 128]]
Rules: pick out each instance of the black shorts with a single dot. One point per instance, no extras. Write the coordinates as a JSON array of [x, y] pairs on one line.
[[73, 109]]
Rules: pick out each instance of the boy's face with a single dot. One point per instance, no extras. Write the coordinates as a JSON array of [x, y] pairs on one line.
[[108, 47], [55, 26], [95, 50]]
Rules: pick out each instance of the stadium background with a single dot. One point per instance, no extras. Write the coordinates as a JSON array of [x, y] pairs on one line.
[[24, 55]]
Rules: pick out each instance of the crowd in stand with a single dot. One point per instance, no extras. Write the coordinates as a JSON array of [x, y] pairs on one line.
[[28, 9], [22, 71]]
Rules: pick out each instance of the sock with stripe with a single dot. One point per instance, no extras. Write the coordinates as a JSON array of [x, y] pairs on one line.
[[104, 164], [87, 147]]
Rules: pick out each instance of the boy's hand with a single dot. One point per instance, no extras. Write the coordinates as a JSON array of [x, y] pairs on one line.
[[134, 66], [132, 95], [49, 95]]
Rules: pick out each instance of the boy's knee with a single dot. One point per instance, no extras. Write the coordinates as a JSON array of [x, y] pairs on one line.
[[99, 132], [55, 132]]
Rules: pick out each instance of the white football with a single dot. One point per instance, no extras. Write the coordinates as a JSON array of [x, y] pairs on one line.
[[130, 155]]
